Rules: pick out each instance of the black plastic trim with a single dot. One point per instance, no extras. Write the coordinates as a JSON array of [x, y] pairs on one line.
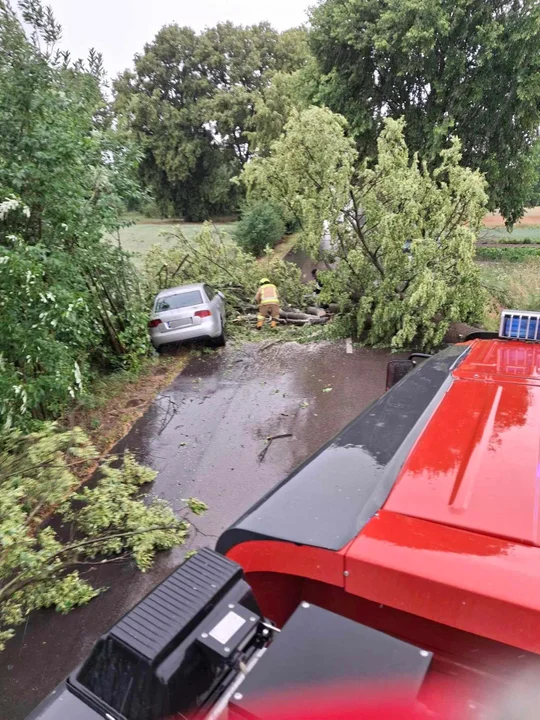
[[482, 335], [329, 498], [422, 356]]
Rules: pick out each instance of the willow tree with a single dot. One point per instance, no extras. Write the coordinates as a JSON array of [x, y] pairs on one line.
[[397, 238]]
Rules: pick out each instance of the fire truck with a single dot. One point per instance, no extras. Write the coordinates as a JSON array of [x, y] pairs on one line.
[[404, 553]]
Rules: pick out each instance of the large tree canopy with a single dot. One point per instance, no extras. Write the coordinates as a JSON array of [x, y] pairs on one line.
[[398, 240], [464, 67], [191, 101]]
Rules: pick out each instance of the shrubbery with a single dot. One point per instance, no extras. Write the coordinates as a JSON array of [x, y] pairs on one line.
[[69, 302], [261, 225]]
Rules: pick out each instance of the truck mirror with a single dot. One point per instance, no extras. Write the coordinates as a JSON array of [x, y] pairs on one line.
[[397, 369]]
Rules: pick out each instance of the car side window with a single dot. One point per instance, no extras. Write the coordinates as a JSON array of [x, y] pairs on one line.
[[210, 292]]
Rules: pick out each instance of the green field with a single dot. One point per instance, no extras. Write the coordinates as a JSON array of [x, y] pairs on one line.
[[518, 234], [140, 237]]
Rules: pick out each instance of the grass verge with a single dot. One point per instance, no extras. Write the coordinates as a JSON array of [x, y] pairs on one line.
[[116, 401], [510, 285], [284, 247]]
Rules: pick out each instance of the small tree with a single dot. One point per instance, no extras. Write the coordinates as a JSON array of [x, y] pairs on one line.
[[107, 522], [399, 240], [261, 225]]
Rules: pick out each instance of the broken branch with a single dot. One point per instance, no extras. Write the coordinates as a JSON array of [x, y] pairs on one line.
[[269, 441]]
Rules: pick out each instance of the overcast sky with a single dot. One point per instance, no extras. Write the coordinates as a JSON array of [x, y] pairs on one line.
[[120, 28]]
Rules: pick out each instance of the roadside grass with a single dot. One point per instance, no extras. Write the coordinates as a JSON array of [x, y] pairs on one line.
[[513, 285], [114, 402], [284, 246]]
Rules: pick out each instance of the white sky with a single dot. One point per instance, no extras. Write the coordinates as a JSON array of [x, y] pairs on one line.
[[120, 28]]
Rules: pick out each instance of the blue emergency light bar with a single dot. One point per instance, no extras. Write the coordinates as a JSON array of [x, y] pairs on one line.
[[520, 325]]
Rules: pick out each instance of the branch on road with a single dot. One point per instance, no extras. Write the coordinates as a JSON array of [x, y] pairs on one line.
[[271, 343], [269, 441]]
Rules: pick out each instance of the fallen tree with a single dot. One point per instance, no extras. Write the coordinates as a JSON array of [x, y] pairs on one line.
[[397, 237], [108, 521], [215, 258]]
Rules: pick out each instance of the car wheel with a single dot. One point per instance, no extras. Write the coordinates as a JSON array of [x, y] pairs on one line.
[[219, 341]]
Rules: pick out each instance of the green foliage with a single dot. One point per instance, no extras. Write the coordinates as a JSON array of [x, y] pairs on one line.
[[68, 299], [109, 521], [468, 67], [507, 254], [399, 241], [260, 226], [533, 198], [516, 240], [197, 507], [191, 102], [215, 258], [274, 105]]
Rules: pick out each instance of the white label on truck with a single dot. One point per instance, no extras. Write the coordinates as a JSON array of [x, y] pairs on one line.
[[227, 627]]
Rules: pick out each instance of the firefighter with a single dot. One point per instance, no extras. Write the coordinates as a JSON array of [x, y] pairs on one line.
[[268, 302]]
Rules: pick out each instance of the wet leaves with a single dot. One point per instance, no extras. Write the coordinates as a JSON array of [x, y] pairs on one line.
[[196, 506]]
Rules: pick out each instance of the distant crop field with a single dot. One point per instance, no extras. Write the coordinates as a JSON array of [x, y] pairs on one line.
[[531, 217], [526, 231], [140, 237]]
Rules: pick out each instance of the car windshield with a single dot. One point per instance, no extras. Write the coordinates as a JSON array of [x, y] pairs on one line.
[[185, 299]]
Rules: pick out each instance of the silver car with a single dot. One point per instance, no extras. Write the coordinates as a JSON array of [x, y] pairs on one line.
[[188, 312]]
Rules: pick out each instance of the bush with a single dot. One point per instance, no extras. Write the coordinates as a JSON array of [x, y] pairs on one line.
[[261, 224], [151, 209]]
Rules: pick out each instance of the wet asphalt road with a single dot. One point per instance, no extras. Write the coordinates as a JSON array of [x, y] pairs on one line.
[[204, 435]]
